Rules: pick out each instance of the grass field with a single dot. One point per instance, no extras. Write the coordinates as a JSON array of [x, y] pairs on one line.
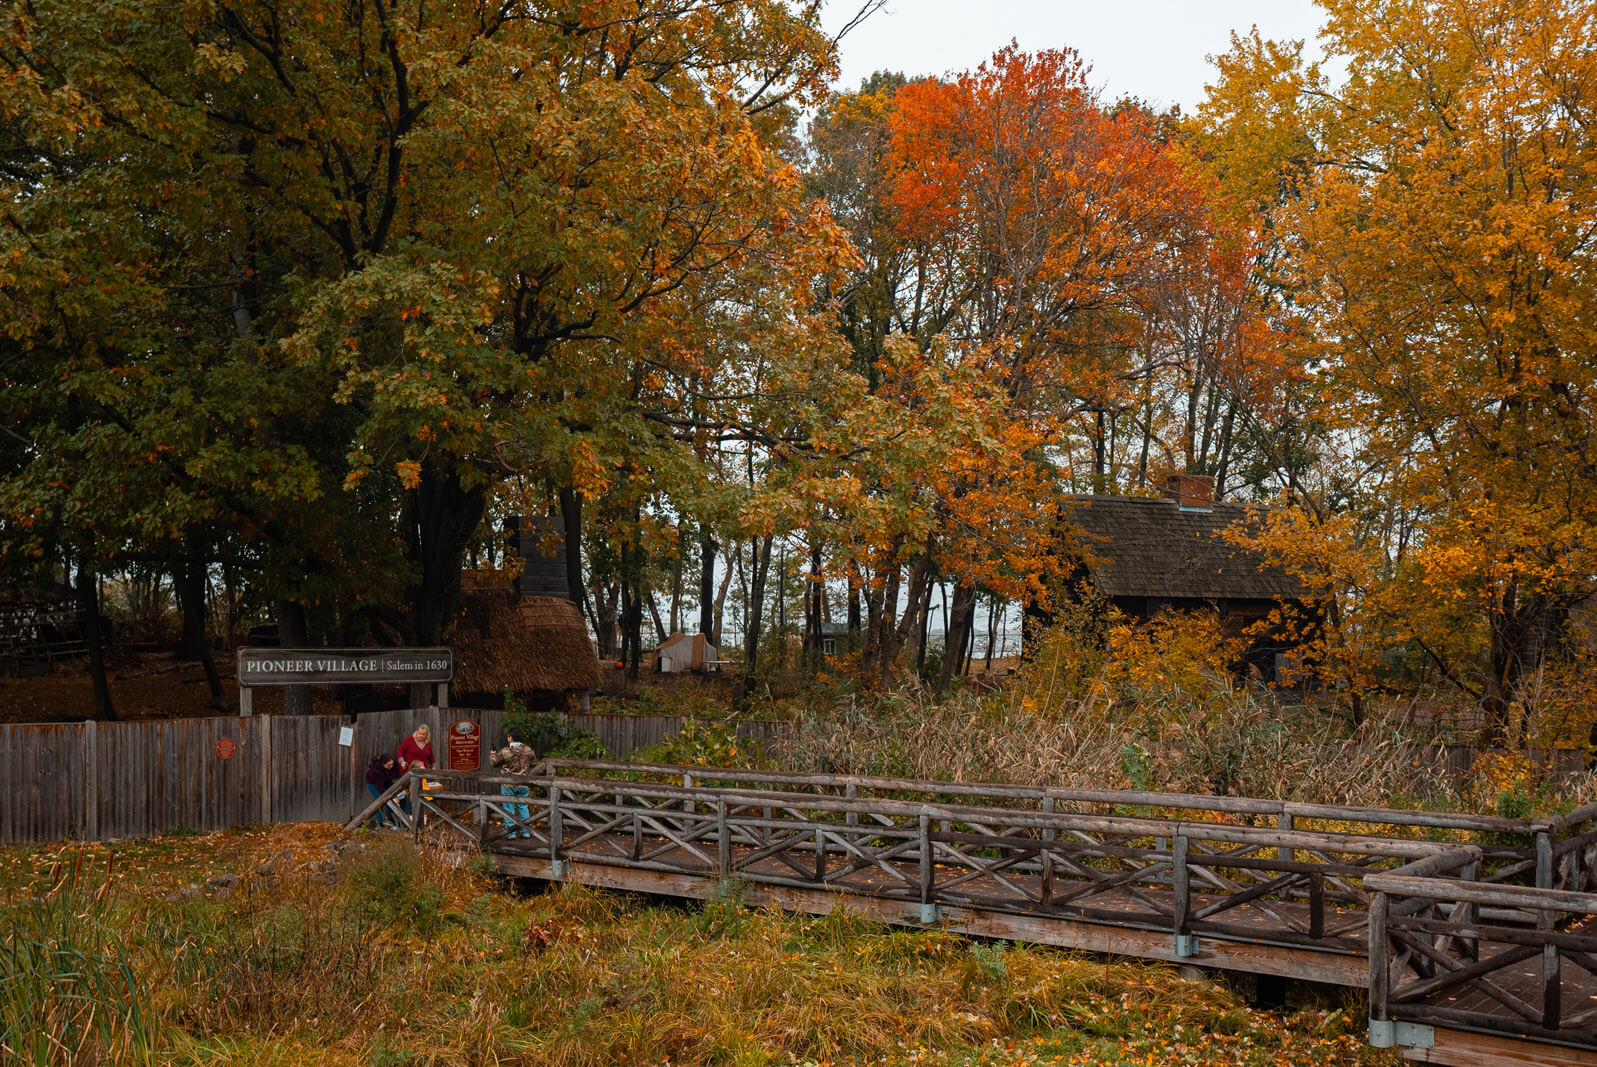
[[150, 951]]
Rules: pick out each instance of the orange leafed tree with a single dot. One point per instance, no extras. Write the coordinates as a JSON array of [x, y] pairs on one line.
[[1063, 238], [1433, 209]]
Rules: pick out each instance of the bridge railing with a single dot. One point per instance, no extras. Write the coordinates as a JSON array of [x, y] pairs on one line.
[[1478, 956], [1191, 878], [1509, 846]]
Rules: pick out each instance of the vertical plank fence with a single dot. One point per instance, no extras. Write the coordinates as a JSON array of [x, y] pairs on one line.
[[99, 781]]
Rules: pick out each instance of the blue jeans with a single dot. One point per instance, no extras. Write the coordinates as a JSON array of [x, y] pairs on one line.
[[518, 811], [384, 817]]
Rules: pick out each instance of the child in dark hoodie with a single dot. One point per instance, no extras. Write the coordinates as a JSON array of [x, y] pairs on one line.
[[382, 773]]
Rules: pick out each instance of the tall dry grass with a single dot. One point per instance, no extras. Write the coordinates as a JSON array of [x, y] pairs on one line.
[[406, 959], [1140, 708], [69, 989]]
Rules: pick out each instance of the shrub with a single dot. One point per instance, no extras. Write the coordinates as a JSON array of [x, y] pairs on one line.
[[703, 744], [551, 735]]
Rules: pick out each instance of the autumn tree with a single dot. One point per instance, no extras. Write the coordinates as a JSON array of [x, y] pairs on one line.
[[1063, 237], [322, 275], [1434, 211]]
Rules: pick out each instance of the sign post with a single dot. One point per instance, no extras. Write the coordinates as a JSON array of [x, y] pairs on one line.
[[342, 666]]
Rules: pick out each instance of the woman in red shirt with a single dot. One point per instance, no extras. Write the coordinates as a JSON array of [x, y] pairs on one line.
[[418, 746]]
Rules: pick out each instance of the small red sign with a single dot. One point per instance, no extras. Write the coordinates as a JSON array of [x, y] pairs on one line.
[[465, 745], [225, 748]]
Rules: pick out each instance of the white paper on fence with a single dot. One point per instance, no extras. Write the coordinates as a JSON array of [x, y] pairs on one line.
[[346, 736]]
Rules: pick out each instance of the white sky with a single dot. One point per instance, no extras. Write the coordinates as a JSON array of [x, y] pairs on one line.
[[1151, 49]]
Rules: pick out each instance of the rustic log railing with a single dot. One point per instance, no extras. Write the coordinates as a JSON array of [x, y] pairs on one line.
[[1414, 904], [1480, 957]]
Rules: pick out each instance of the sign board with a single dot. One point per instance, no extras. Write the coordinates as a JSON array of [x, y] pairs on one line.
[[225, 748], [343, 666], [465, 746]]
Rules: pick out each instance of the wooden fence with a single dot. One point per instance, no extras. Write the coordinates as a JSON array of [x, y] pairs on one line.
[[96, 781], [104, 781]]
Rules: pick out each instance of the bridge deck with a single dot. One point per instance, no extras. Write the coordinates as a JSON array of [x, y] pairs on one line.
[[1458, 947]]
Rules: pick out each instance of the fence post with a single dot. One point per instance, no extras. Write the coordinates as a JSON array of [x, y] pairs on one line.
[[637, 834], [928, 906], [723, 842], [415, 806], [1469, 947], [1283, 822], [1317, 904], [851, 790], [1382, 1033], [89, 753], [1186, 944], [557, 835], [1552, 986], [1047, 893]]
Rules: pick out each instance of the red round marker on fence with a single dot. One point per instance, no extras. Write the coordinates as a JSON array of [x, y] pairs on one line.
[[225, 748]]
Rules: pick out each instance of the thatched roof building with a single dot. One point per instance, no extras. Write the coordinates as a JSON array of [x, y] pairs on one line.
[[537, 646]]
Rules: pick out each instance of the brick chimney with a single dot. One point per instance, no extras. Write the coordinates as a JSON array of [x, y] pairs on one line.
[[1191, 492]]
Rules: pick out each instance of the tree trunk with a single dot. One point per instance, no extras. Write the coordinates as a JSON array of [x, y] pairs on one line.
[[853, 597], [93, 623], [1100, 441], [925, 628], [676, 585], [889, 642], [707, 551], [720, 602], [605, 621], [439, 519], [813, 607], [961, 618], [292, 632], [760, 565], [189, 577], [992, 632], [1513, 653], [634, 623], [654, 616], [1223, 468], [571, 515]]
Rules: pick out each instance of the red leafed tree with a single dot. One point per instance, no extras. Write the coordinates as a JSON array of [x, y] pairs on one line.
[[1063, 234]]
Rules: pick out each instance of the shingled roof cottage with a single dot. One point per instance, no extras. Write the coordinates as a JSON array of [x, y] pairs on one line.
[[1151, 554]]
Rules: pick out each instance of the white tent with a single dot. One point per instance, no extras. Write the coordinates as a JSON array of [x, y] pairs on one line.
[[682, 652]]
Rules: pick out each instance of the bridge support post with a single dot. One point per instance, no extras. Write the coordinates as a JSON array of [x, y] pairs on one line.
[[928, 871], [1047, 861], [1185, 944], [416, 795], [723, 842], [557, 835], [1382, 1033]]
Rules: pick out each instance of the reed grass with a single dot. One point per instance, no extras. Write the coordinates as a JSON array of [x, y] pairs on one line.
[[69, 992], [409, 960]]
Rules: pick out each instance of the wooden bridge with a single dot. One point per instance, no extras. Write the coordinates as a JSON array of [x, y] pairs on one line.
[[1474, 936]]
